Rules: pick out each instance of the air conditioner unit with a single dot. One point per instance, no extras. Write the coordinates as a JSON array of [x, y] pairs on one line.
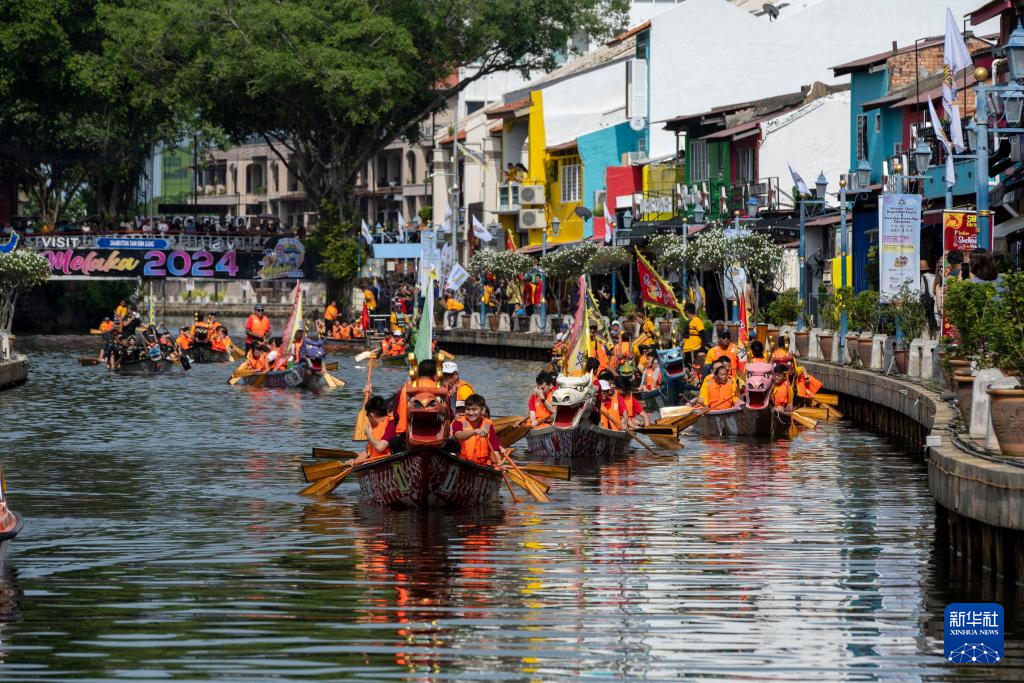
[[531, 194], [532, 218]]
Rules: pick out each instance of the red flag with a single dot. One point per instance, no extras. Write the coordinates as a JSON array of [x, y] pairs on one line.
[[653, 289], [509, 244], [366, 316]]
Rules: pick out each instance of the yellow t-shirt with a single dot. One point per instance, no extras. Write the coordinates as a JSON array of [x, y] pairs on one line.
[[121, 312], [454, 305], [693, 343]]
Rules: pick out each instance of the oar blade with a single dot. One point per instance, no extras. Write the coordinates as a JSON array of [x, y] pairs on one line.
[[326, 485], [535, 488], [333, 453], [543, 470], [669, 443], [318, 470]]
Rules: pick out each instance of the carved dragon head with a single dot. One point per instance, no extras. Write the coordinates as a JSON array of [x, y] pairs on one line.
[[571, 400], [759, 385], [672, 364], [312, 351], [429, 419]]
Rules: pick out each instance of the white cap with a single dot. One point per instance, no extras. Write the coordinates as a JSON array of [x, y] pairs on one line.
[[449, 367], [397, 333], [460, 404], [605, 385]]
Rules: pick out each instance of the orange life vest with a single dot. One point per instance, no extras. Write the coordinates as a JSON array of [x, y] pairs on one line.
[[106, 326], [357, 331], [217, 343], [346, 332], [612, 409], [651, 379], [720, 396], [257, 364], [782, 395], [540, 409], [257, 326], [477, 448], [183, 342], [378, 433], [331, 313], [623, 352]]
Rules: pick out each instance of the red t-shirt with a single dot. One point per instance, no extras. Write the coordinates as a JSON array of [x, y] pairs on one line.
[[492, 435]]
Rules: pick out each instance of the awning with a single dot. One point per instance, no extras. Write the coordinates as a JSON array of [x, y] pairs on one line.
[[1007, 228]]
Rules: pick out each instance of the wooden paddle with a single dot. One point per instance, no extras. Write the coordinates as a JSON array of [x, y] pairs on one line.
[[542, 470], [631, 433], [332, 381], [813, 413], [332, 366], [360, 357], [333, 453], [322, 487], [83, 360], [362, 421], [826, 399], [806, 422], [318, 470], [535, 488]]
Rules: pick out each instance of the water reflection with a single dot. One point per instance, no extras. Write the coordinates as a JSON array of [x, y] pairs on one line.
[[164, 538]]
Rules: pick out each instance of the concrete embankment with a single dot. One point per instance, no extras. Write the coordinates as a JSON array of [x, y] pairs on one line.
[[14, 371]]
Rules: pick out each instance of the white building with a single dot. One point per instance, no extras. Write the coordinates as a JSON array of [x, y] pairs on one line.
[[707, 52]]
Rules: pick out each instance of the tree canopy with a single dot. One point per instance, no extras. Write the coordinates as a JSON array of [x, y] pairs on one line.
[[328, 83]]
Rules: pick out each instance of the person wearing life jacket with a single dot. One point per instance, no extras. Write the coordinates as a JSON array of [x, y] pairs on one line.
[[540, 408], [257, 327], [184, 340], [426, 372], [331, 313], [621, 410], [757, 354], [107, 325], [357, 330], [781, 355], [727, 350], [650, 380], [458, 389], [335, 332], [622, 351], [345, 330], [256, 359], [597, 349], [475, 433], [379, 431], [782, 390], [219, 340], [720, 390]]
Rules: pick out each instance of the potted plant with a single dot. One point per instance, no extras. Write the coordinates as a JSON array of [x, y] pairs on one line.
[[493, 321], [965, 306], [1005, 320], [864, 316], [803, 336], [831, 310], [910, 316]]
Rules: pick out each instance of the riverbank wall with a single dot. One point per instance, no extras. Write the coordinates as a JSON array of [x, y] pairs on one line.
[[980, 495], [13, 372]]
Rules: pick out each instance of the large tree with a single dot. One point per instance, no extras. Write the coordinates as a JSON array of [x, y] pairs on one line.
[[71, 119], [328, 83]]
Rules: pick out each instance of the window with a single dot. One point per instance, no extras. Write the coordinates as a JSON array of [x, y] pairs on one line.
[[745, 165], [862, 137], [570, 183], [878, 123], [699, 166], [474, 106], [636, 88]]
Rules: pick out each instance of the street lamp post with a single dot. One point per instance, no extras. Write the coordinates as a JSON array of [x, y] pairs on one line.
[[820, 187], [627, 225]]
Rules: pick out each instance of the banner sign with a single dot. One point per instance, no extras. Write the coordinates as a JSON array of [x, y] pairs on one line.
[[284, 261], [959, 234], [457, 277], [899, 242], [132, 243]]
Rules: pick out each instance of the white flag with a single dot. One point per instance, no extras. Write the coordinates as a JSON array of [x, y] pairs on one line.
[[480, 231], [801, 186], [457, 277], [447, 216], [401, 227], [955, 58], [366, 232], [609, 223], [941, 135]]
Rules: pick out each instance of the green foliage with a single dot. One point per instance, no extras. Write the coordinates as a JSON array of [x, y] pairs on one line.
[[831, 308], [608, 259], [866, 311], [785, 309], [336, 247], [965, 305], [1006, 323], [568, 262], [627, 310], [908, 312], [504, 264], [331, 82], [426, 215]]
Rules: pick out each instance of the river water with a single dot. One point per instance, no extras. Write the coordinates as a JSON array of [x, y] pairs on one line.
[[165, 539]]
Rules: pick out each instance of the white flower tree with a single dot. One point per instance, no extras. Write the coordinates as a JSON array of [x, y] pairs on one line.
[[20, 270]]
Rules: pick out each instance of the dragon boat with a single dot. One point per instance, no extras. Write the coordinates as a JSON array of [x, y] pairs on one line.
[[427, 474], [755, 416], [572, 433], [146, 366], [307, 373], [332, 345], [204, 353], [10, 524]]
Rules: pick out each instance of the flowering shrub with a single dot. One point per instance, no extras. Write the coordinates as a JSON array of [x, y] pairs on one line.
[[608, 259], [504, 264], [20, 270]]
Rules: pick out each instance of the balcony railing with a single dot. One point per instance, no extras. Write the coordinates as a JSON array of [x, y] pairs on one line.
[[508, 198], [764, 190]]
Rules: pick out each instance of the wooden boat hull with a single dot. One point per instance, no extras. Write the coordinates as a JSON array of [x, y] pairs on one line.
[[586, 440], [204, 354], [10, 528], [298, 377], [342, 345], [739, 421], [427, 478], [394, 361], [146, 367]]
